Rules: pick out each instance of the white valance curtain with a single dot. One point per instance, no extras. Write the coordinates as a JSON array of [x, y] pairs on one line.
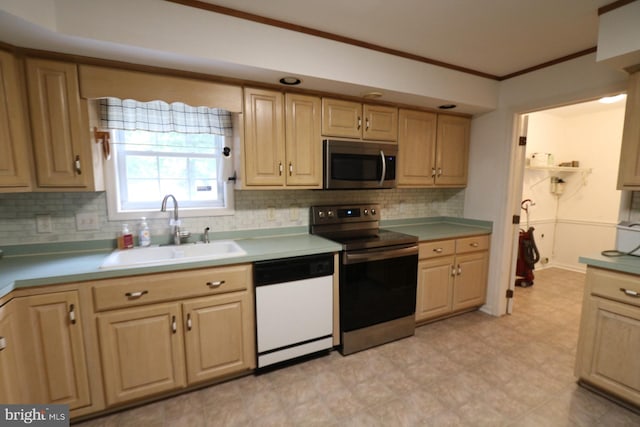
[[159, 116]]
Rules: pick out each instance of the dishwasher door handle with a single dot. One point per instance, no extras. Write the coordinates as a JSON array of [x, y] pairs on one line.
[[379, 254]]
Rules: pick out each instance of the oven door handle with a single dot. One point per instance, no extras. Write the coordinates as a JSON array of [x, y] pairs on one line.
[[384, 168], [378, 254]]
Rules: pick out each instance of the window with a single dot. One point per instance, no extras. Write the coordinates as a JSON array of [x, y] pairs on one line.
[[151, 159]]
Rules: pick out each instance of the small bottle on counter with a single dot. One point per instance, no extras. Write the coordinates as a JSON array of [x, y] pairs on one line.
[[125, 241], [144, 235]]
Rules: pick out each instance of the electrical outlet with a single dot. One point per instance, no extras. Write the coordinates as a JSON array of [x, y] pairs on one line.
[[271, 214], [43, 224], [87, 221], [294, 213]]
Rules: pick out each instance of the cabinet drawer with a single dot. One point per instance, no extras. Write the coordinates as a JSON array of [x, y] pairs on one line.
[[615, 286], [472, 244], [139, 290], [437, 248]]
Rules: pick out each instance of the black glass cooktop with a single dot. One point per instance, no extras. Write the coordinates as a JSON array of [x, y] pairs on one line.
[[376, 239]]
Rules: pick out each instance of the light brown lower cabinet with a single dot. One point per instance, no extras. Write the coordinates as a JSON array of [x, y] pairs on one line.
[[12, 388], [53, 349], [160, 347], [452, 276], [608, 354]]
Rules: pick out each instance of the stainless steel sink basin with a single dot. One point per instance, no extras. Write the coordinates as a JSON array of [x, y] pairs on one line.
[[160, 255]]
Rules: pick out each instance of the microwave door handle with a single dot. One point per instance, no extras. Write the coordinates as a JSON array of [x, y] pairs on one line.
[[384, 168]]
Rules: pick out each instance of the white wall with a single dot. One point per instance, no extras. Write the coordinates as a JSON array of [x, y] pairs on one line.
[[490, 194], [582, 219]]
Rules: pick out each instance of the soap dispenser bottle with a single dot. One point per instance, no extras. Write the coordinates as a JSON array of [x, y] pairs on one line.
[[144, 236], [125, 241]]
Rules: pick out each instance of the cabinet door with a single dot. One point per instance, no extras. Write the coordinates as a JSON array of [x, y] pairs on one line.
[[61, 142], [609, 347], [303, 141], [470, 285], [264, 147], [416, 148], [341, 118], [54, 348], [13, 387], [142, 351], [435, 284], [219, 337], [629, 174], [452, 155], [14, 137], [380, 123]]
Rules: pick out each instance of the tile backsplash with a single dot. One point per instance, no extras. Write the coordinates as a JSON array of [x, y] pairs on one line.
[[253, 210]]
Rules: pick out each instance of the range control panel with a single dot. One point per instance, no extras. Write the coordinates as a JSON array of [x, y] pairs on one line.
[[344, 214]]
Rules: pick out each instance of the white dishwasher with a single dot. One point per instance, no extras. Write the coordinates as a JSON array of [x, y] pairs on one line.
[[294, 307]]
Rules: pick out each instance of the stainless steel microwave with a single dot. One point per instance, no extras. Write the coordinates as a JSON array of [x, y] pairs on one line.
[[352, 165]]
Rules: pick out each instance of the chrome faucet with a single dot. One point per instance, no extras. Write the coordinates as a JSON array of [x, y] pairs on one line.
[[205, 236], [175, 222]]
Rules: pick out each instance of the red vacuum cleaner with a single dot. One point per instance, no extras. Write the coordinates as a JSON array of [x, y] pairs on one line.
[[528, 253]]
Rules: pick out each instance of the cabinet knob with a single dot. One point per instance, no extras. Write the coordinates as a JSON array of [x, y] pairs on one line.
[[459, 270], [438, 250], [76, 164], [216, 284], [3, 343], [72, 314], [474, 244]]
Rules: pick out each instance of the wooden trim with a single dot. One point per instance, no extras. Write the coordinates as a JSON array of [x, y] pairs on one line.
[[326, 35], [612, 6], [549, 63]]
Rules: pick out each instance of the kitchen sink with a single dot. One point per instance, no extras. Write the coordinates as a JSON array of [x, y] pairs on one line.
[[173, 254]]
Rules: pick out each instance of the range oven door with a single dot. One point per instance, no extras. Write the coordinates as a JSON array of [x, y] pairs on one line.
[[359, 164], [377, 285]]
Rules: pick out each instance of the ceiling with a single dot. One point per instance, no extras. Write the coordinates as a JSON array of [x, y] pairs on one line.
[[495, 37]]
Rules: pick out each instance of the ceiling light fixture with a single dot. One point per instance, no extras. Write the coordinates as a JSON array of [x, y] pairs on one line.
[[290, 81], [447, 106], [612, 99]]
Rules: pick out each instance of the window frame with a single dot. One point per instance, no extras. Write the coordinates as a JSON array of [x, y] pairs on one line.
[[112, 190]]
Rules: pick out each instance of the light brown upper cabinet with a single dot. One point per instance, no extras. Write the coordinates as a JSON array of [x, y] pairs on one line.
[[59, 126], [349, 119], [433, 149], [281, 149], [629, 171], [15, 165]]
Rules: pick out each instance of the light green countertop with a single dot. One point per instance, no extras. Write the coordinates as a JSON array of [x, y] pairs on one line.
[[21, 268], [624, 264]]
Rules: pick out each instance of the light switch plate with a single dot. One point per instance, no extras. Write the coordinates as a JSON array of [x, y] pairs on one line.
[[87, 221]]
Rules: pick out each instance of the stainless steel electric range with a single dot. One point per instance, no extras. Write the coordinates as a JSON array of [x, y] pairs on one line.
[[378, 275]]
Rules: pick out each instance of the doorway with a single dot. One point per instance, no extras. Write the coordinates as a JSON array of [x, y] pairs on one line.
[[569, 175]]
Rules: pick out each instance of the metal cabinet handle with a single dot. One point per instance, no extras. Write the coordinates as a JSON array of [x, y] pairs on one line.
[[359, 122], [474, 244], [433, 172], [453, 270], [367, 124], [630, 293], [72, 314], [280, 168], [174, 325], [189, 324], [137, 294], [459, 270], [216, 284], [3, 343], [439, 172], [438, 250], [290, 168], [77, 165]]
